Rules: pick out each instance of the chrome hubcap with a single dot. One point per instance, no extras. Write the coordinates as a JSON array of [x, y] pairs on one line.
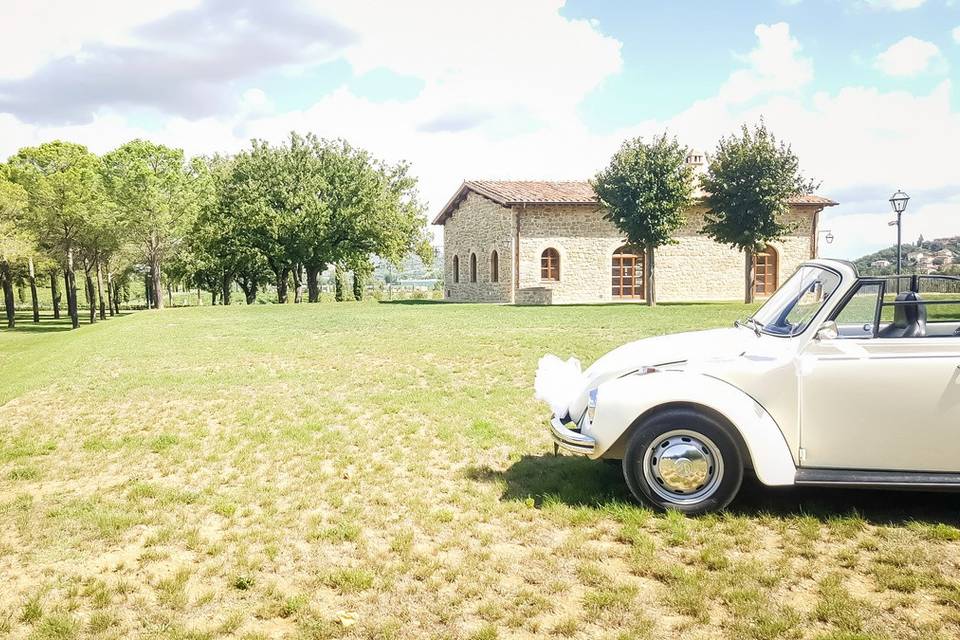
[[683, 466]]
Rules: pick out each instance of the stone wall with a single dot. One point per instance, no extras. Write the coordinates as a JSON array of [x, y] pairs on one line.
[[700, 269], [695, 269], [534, 296], [479, 226], [585, 242]]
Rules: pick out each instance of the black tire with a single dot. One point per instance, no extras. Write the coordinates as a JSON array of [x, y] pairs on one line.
[[714, 477]]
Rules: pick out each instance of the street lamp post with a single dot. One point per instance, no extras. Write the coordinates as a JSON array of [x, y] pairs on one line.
[[899, 203]]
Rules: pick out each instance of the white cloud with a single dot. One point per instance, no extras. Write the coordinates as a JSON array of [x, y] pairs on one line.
[[517, 62], [526, 63], [956, 34], [894, 5], [33, 32], [483, 57], [774, 66], [908, 57]]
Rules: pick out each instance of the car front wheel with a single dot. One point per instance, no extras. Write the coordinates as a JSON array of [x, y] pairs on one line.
[[682, 459]]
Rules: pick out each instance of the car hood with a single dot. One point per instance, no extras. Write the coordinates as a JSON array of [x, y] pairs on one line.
[[677, 348]]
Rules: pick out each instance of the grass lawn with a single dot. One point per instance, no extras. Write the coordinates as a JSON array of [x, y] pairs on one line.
[[383, 471]]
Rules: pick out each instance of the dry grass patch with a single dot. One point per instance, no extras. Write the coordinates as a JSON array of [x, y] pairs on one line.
[[382, 471]]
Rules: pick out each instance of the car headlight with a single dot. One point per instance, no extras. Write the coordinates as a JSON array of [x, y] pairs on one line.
[[591, 404]]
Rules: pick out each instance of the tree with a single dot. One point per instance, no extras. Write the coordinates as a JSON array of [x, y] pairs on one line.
[[361, 274], [339, 282], [155, 192], [645, 190], [14, 243], [747, 185], [374, 209], [270, 200], [98, 241], [64, 192]]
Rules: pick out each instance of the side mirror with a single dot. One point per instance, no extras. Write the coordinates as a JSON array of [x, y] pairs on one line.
[[827, 331]]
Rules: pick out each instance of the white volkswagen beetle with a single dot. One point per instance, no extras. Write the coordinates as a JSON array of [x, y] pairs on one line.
[[837, 380]]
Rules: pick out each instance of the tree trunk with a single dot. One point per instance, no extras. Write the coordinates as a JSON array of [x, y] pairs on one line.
[[9, 304], [650, 273], [110, 301], [225, 286], [213, 298], [54, 295], [338, 282], [748, 276], [66, 289], [102, 304], [33, 293], [249, 290], [313, 284], [357, 285], [170, 294], [71, 277], [282, 285], [147, 293], [297, 283], [156, 284], [91, 295]]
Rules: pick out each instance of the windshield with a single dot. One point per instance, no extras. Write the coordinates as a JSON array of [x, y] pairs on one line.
[[790, 310]]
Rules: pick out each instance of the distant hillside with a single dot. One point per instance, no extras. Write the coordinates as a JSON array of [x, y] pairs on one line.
[[928, 262]]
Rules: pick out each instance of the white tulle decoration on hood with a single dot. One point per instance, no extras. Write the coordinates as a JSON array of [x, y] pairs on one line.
[[558, 382]]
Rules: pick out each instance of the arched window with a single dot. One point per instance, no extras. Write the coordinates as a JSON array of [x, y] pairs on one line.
[[627, 273], [456, 269], [473, 267], [765, 271], [494, 267], [550, 264]]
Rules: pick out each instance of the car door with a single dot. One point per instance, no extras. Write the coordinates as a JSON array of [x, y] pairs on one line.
[[879, 403]]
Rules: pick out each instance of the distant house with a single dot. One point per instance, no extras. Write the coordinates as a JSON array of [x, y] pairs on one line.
[[538, 242], [880, 264]]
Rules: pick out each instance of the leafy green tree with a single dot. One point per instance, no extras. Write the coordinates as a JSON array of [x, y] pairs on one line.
[[156, 194], [270, 200], [366, 207], [64, 191], [362, 270], [381, 217], [747, 185], [645, 190], [15, 245], [312, 202], [98, 241], [339, 282]]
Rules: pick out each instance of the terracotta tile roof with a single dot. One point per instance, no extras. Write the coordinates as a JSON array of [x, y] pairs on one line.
[[539, 191], [574, 192], [813, 199]]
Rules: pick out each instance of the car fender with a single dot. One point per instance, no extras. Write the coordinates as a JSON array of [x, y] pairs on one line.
[[621, 402]]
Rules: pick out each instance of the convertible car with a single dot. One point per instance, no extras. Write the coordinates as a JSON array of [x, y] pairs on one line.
[[837, 380]]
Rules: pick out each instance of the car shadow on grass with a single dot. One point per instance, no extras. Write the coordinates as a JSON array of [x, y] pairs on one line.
[[580, 482]]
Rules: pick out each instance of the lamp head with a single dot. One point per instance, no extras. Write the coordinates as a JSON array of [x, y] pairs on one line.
[[899, 201]]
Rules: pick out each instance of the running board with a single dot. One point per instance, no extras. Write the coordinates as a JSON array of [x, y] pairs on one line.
[[866, 479]]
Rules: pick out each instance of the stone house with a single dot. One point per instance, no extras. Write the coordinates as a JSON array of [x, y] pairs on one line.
[[535, 242]]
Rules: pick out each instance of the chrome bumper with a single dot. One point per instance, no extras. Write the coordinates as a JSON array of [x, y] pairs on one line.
[[569, 440]]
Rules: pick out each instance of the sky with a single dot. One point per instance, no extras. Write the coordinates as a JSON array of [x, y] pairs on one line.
[[865, 91]]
